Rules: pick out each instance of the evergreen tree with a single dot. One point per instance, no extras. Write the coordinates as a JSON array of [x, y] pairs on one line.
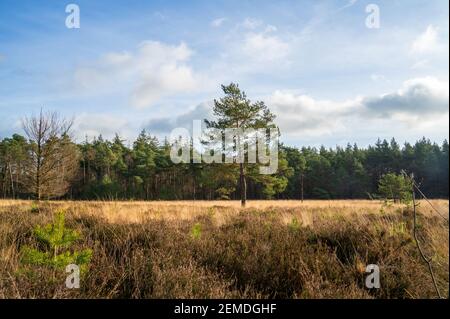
[[235, 110]]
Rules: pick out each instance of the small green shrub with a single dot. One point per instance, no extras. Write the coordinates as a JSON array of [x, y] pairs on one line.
[[396, 187], [294, 225], [34, 208], [57, 240], [196, 231]]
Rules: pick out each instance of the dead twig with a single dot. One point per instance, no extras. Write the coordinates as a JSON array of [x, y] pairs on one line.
[[419, 247]]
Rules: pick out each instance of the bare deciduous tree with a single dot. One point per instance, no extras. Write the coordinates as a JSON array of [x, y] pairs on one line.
[[53, 157]]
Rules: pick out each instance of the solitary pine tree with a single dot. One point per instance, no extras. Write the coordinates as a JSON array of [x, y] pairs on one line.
[[235, 110]]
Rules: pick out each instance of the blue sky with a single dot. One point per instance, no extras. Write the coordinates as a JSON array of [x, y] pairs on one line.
[[159, 64]]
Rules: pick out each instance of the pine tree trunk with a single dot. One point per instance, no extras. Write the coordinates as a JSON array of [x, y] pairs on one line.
[[243, 185], [301, 177]]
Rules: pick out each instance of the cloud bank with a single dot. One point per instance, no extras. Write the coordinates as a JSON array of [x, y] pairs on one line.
[[154, 71], [420, 101]]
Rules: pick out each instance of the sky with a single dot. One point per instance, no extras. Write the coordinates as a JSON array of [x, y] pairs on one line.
[[330, 78]]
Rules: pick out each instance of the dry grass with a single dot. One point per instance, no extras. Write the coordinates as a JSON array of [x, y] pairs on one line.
[[140, 211], [285, 249]]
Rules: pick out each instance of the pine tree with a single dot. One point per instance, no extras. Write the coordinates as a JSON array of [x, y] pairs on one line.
[[235, 110]]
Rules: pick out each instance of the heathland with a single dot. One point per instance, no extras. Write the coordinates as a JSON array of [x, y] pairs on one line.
[[216, 249]]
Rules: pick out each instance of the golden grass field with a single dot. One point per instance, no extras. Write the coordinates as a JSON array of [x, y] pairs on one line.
[[139, 211], [282, 249]]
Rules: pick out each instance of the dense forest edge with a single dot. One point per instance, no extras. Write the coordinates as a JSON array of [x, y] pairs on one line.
[[110, 170]]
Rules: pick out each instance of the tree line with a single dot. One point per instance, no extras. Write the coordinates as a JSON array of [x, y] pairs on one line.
[[48, 164], [111, 170]]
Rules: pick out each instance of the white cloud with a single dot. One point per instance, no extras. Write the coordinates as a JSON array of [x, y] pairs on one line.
[[165, 125], [264, 47], [251, 24], [419, 102], [162, 72], [218, 22], [252, 47], [426, 42], [154, 71], [302, 114], [93, 124], [420, 96]]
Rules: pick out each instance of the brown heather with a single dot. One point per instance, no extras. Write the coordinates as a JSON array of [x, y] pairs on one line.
[[271, 249]]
